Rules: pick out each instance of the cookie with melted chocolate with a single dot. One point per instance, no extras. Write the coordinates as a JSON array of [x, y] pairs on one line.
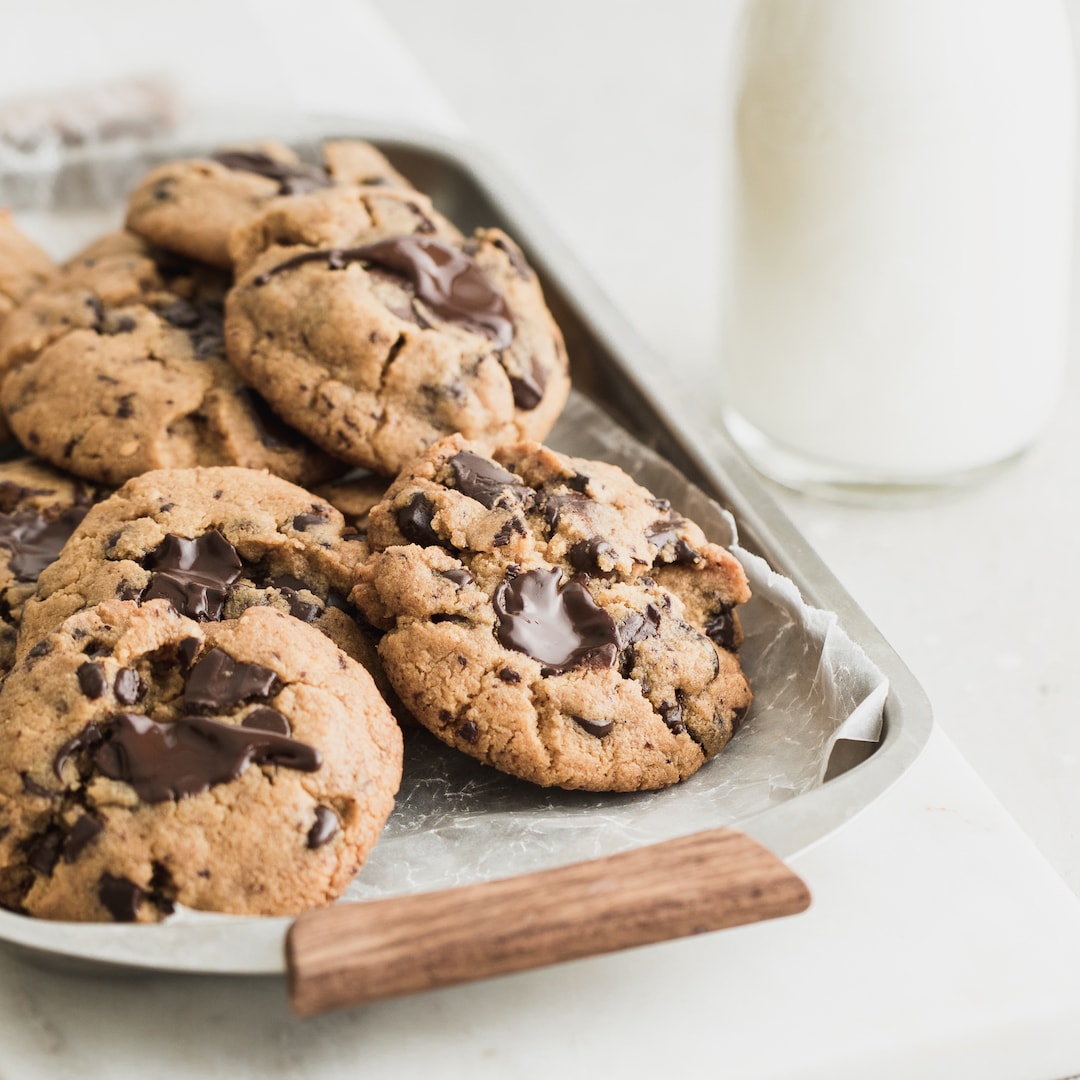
[[192, 206], [549, 616], [372, 326], [117, 366], [213, 543], [40, 508], [149, 760]]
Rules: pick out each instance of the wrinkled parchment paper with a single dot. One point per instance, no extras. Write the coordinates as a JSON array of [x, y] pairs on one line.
[[457, 821]]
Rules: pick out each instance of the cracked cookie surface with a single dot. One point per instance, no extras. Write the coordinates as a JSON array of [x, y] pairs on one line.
[[117, 366], [214, 542], [550, 617], [192, 206], [374, 328], [149, 760]]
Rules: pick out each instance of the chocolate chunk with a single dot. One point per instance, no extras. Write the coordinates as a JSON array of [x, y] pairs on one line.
[[303, 522], [35, 540], [186, 650], [663, 533], [127, 686], [460, 578], [448, 282], [263, 718], [489, 484], [289, 587], [414, 521], [193, 575], [721, 627], [83, 832], [324, 829], [599, 728], [738, 717], [504, 535], [92, 679], [292, 178], [87, 739], [528, 386], [119, 897], [585, 554], [42, 648], [469, 732], [218, 681], [559, 625], [43, 850], [509, 675], [204, 323], [552, 506], [163, 761], [672, 715]]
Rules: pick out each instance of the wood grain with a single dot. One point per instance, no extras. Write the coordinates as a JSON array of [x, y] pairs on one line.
[[351, 954]]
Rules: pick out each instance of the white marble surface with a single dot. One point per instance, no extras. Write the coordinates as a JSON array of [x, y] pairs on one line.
[[940, 942]]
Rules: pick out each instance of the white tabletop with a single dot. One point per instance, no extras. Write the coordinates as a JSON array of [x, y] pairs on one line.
[[940, 942]]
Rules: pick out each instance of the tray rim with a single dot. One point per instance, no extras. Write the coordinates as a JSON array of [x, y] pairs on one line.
[[787, 829]]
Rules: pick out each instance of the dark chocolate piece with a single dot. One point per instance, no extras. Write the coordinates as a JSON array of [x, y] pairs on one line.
[[448, 282], [203, 321], [489, 484], [263, 718], [193, 575], [598, 728], [43, 850], [163, 761], [218, 681], [83, 832], [324, 829], [303, 522], [585, 554], [414, 521], [120, 897], [292, 179], [721, 628], [35, 540], [559, 625], [460, 577], [127, 686], [672, 715], [92, 679], [663, 533]]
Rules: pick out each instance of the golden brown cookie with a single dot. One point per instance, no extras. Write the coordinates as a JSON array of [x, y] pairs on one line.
[[192, 206], [550, 617], [117, 366], [376, 330], [214, 542], [148, 760]]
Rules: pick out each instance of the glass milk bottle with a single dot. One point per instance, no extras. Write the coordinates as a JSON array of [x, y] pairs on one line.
[[901, 236]]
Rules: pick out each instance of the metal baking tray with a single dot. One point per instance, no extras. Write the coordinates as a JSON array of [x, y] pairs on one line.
[[605, 355]]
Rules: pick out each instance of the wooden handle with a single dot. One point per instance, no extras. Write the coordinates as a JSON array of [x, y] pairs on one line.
[[351, 954]]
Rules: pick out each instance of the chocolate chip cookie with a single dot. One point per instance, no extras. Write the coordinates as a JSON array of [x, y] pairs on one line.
[[117, 366], [23, 265], [39, 509], [376, 331], [149, 760], [213, 542], [550, 617], [191, 206]]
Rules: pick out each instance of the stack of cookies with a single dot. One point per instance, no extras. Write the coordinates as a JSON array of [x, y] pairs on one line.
[[279, 486]]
